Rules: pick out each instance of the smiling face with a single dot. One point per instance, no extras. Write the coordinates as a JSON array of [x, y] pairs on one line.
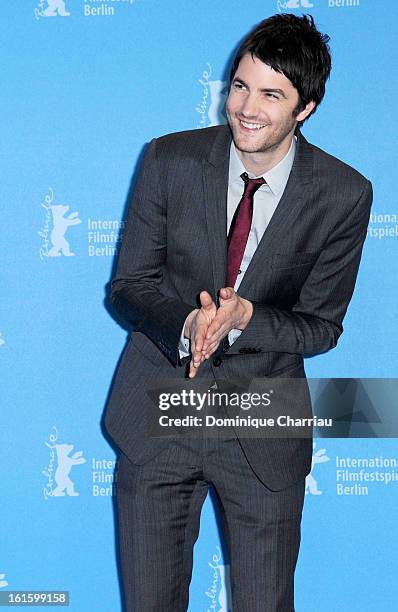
[[260, 110]]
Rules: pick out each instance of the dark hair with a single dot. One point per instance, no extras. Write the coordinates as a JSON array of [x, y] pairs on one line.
[[293, 46]]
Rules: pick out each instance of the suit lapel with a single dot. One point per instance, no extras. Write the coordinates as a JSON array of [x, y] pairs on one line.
[[215, 186], [294, 198]]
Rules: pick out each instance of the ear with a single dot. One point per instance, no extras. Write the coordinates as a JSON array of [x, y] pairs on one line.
[[306, 111]]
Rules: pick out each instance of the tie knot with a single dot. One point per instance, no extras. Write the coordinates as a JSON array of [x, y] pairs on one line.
[[251, 185]]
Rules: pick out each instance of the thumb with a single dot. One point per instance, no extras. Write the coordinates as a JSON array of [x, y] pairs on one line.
[[206, 300], [226, 293]]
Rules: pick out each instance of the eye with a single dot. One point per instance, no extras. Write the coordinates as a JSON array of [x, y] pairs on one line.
[[272, 95], [238, 85]]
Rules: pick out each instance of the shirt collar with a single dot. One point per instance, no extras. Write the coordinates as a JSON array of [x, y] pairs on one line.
[[276, 178]]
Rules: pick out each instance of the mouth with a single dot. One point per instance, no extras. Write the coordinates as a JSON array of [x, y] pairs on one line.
[[249, 127]]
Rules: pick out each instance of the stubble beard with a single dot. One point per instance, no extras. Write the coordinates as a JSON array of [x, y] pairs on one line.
[[271, 142]]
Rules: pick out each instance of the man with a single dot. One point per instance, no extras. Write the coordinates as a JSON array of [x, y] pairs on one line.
[[241, 249]]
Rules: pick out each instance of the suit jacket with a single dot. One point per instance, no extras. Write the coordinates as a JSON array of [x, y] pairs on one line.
[[300, 280]]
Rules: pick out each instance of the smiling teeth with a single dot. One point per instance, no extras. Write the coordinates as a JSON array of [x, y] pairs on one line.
[[252, 126]]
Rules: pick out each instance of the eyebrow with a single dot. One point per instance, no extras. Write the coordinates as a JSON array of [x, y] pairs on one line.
[[264, 90]]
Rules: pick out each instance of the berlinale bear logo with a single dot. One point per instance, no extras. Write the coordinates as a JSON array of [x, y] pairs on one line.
[[61, 224], [214, 94], [65, 464], [56, 224], [51, 8], [311, 484], [292, 4], [59, 482]]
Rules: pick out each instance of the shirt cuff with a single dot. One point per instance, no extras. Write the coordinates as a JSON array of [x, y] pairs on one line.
[[234, 335], [184, 346]]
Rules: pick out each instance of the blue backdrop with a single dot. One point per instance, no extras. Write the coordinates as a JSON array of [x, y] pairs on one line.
[[85, 84]]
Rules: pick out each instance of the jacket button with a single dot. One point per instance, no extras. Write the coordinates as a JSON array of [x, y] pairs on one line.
[[217, 361]]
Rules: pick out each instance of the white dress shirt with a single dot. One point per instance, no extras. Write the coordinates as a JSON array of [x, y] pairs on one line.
[[266, 200]]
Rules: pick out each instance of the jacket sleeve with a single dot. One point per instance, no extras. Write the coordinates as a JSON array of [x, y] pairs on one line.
[[314, 324], [135, 288]]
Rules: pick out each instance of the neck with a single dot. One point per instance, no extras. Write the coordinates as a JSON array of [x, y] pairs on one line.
[[260, 162]]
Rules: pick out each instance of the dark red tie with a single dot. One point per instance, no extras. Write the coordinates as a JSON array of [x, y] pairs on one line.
[[240, 228]]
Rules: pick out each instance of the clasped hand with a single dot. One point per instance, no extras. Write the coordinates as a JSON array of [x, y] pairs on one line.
[[208, 325]]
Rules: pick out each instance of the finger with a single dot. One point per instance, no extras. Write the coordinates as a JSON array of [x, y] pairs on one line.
[[207, 343], [192, 370], [197, 358], [197, 354], [212, 349], [213, 331], [226, 293], [219, 334], [199, 338], [206, 300], [215, 325]]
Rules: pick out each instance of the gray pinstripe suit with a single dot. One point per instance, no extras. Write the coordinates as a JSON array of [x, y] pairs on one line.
[[300, 281]]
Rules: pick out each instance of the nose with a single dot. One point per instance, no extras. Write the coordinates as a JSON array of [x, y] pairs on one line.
[[249, 108]]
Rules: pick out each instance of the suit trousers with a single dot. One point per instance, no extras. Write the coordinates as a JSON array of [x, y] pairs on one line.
[[159, 505]]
